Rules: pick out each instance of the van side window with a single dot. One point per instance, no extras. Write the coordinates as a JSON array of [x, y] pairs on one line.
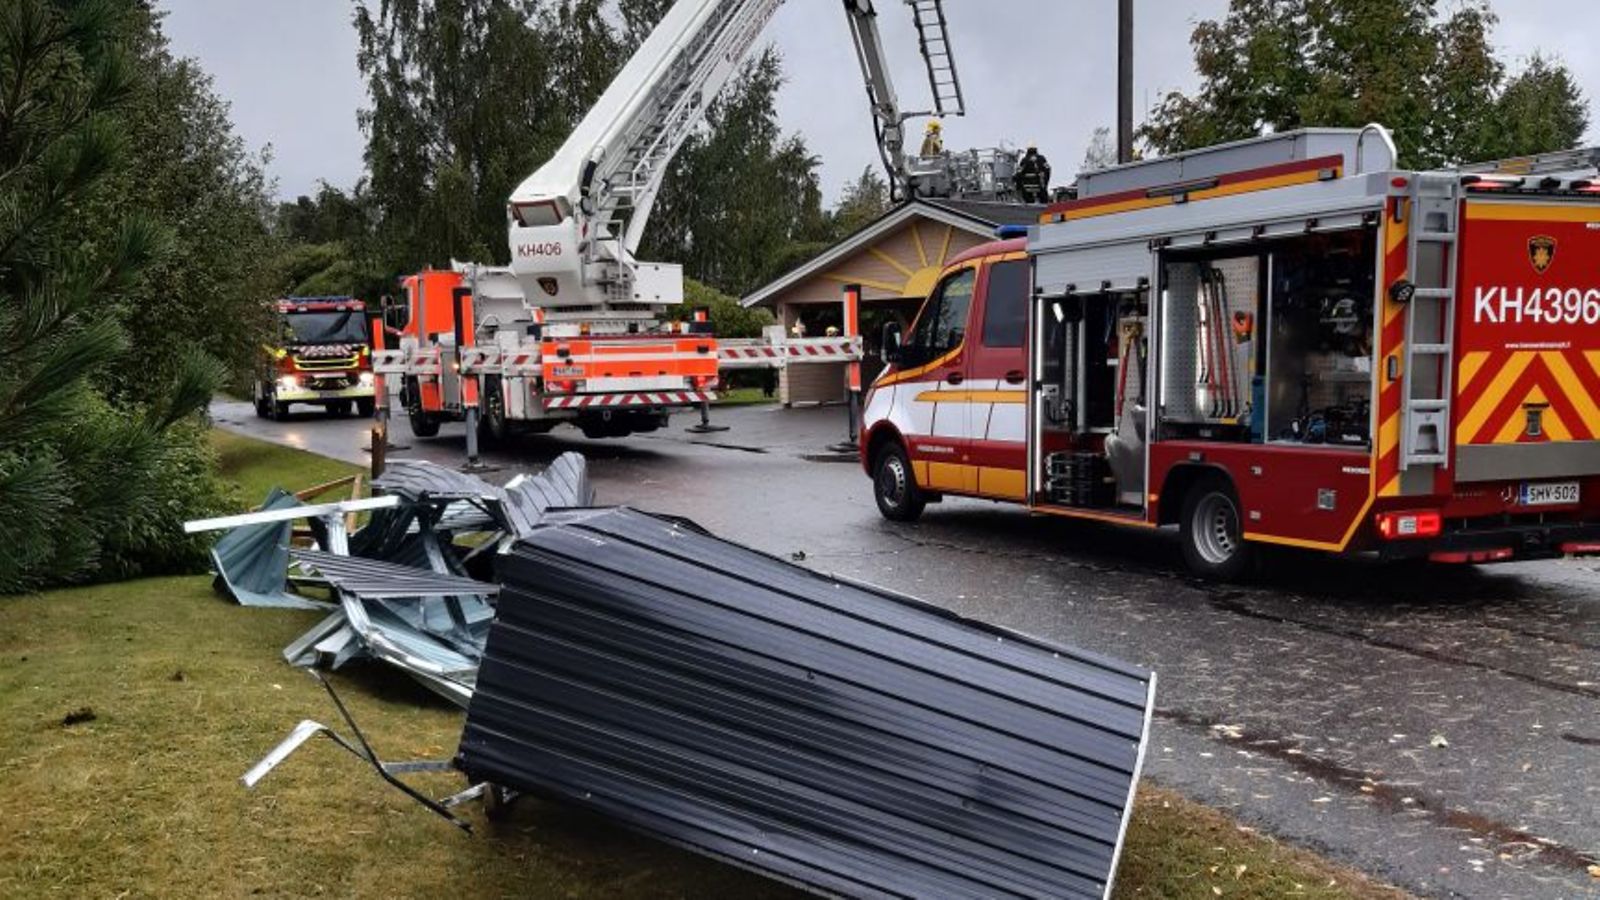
[[1005, 307], [950, 318], [943, 323]]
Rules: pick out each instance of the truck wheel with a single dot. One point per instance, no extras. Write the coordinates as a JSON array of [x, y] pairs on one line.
[[366, 406], [263, 405], [492, 427], [1211, 532], [895, 487], [423, 425], [279, 409]]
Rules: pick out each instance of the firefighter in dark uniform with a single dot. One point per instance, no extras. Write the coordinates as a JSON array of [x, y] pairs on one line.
[[1033, 176]]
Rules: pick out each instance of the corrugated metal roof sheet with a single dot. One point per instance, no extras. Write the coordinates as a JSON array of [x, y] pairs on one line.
[[252, 561], [372, 579], [837, 736]]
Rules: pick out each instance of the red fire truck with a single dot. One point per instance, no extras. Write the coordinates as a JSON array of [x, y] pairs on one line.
[[1287, 341], [321, 354]]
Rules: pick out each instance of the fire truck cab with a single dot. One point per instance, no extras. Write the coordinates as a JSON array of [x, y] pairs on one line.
[[321, 354], [1285, 341]]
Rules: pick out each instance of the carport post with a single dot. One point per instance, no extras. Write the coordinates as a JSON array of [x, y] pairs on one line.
[[852, 329], [466, 382], [380, 406]]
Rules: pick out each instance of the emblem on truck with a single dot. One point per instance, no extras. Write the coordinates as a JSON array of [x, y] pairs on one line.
[[1541, 252]]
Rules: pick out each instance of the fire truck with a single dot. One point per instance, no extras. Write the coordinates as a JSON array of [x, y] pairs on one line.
[[321, 354], [1284, 341], [469, 342]]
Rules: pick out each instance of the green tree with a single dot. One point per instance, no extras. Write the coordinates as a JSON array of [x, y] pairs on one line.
[[862, 202], [740, 192], [182, 162], [449, 136], [728, 318], [1432, 79], [329, 246], [87, 488]]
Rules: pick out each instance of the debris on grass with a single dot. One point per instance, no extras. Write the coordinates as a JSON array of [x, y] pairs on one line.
[[78, 717], [412, 587]]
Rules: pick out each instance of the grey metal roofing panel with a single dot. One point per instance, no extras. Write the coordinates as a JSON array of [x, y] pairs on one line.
[[413, 478], [563, 483], [252, 560], [371, 579], [831, 734]]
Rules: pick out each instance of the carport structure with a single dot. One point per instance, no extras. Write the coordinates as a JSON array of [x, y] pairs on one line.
[[895, 259]]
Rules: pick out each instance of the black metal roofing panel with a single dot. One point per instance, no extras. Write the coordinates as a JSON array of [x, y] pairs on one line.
[[833, 735]]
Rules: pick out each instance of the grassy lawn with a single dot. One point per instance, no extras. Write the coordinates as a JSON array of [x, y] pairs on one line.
[[187, 690]]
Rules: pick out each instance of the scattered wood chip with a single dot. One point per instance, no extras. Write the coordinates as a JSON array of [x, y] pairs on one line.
[[1438, 742], [78, 716]]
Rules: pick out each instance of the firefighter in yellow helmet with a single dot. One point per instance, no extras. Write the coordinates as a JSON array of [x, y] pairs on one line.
[[932, 142]]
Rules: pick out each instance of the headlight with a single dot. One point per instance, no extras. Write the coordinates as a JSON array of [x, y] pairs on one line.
[[288, 382], [366, 379]]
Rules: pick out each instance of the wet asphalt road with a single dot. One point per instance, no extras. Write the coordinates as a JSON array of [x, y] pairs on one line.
[[1436, 727]]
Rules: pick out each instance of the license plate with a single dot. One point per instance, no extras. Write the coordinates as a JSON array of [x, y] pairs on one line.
[[1559, 493], [566, 371]]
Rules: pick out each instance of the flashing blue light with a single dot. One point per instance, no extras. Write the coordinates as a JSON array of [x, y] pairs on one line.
[[1007, 232]]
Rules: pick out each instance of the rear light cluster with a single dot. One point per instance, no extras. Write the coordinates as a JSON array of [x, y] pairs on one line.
[[1399, 526], [1581, 548]]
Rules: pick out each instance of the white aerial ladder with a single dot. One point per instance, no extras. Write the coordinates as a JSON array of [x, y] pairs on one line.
[[576, 223]]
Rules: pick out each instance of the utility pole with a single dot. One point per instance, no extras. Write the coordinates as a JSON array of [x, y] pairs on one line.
[[1124, 81]]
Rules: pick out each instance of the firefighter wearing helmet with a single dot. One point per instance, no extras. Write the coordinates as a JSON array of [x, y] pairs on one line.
[[1033, 176], [932, 142]]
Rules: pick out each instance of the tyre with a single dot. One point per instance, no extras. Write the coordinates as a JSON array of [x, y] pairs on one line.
[[1211, 532], [894, 486], [493, 428], [366, 406], [279, 409], [423, 425], [263, 406]]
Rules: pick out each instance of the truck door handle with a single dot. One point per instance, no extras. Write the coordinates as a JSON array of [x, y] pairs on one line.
[[1014, 376], [954, 378]]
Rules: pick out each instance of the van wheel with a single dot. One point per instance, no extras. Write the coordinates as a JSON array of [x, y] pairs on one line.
[[895, 487], [1212, 534]]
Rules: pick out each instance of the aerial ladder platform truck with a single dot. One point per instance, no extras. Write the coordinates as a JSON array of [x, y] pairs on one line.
[[577, 329]]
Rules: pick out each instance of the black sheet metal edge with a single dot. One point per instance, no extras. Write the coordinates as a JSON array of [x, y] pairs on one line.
[[829, 734]]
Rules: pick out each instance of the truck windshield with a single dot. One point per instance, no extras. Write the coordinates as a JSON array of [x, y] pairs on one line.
[[347, 326]]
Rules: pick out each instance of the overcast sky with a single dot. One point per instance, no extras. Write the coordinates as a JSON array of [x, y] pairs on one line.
[[1032, 70]]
